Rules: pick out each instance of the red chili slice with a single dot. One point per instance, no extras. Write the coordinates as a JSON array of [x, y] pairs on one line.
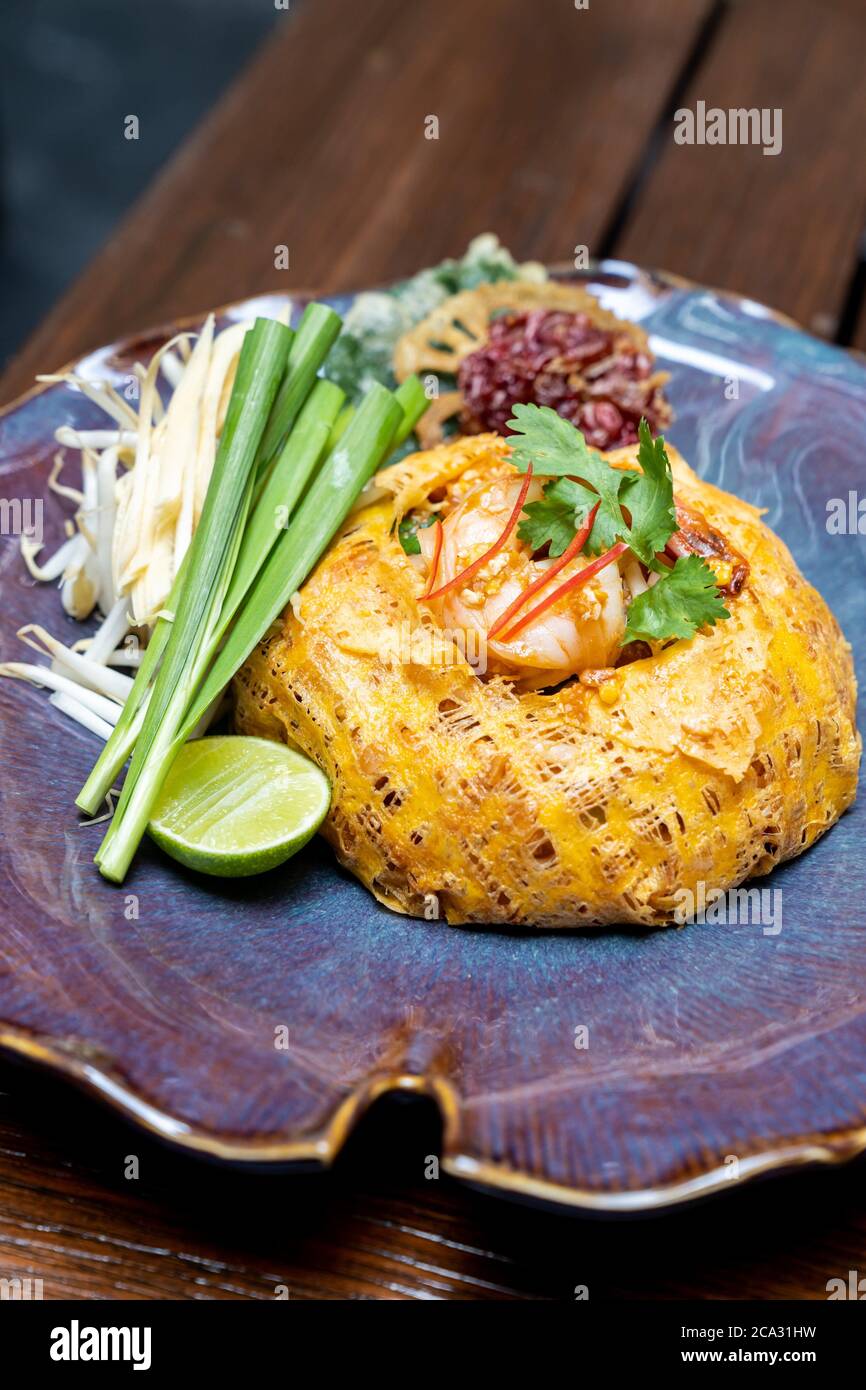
[[574, 548], [437, 551], [466, 574], [582, 577]]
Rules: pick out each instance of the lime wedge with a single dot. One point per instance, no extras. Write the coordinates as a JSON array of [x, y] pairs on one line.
[[236, 806]]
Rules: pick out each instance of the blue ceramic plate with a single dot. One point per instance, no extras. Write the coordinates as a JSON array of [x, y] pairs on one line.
[[715, 1053]]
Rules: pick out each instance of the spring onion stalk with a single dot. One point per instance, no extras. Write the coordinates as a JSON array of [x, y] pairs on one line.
[[325, 506], [151, 760], [413, 402], [296, 462], [300, 456], [289, 476], [107, 767], [339, 426], [212, 556], [306, 352], [315, 336]]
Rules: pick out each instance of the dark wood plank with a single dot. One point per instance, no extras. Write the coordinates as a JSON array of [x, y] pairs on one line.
[[783, 229], [320, 146], [374, 1228]]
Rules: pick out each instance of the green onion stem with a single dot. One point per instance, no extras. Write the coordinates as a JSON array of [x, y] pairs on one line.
[[316, 333], [413, 402], [339, 426], [119, 746], [325, 506], [279, 497], [207, 576], [305, 352]]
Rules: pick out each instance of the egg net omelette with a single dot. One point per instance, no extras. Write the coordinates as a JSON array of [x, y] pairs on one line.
[[461, 796]]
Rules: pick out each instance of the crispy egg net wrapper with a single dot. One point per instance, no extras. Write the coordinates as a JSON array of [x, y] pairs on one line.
[[462, 798]]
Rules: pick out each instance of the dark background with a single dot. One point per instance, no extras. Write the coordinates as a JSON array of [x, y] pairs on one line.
[[69, 74]]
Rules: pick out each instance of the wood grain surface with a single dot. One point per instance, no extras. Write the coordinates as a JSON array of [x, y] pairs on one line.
[[786, 228], [555, 129], [543, 117]]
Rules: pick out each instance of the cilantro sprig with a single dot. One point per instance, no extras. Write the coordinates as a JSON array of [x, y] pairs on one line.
[[557, 449], [634, 507], [682, 600]]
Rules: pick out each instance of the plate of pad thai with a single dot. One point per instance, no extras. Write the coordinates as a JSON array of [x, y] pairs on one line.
[[445, 688]]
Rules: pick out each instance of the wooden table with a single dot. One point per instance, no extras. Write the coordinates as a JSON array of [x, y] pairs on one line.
[[556, 130]]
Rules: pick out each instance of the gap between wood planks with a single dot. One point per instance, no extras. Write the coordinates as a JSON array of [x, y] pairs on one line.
[[660, 131], [728, 30]]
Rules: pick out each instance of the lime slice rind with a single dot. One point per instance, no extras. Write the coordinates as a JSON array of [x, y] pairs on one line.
[[237, 806]]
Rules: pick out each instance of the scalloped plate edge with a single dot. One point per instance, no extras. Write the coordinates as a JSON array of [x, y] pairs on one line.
[[320, 1150]]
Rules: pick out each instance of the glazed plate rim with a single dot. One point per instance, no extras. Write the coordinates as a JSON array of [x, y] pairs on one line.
[[321, 1151]]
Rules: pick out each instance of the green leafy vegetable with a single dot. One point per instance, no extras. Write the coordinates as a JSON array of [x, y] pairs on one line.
[[682, 600], [557, 449], [407, 532], [364, 351], [562, 509], [649, 498], [553, 445]]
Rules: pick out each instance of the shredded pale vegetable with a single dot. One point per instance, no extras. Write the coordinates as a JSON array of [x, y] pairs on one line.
[[143, 484]]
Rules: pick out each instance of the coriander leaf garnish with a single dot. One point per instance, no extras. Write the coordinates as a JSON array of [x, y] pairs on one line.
[[408, 529], [649, 498], [553, 445], [563, 508], [633, 509], [557, 449], [682, 600]]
